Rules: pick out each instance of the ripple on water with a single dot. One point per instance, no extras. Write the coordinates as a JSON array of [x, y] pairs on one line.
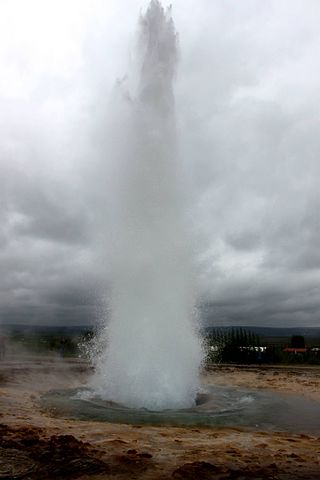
[[215, 406]]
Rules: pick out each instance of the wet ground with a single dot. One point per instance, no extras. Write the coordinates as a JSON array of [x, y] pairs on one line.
[[36, 445]]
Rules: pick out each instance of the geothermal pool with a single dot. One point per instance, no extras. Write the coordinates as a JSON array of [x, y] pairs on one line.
[[216, 406]]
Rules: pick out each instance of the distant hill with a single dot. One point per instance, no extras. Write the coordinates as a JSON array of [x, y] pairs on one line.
[[271, 331], [45, 329], [79, 329]]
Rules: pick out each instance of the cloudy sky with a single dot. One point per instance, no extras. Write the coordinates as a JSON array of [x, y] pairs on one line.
[[247, 98]]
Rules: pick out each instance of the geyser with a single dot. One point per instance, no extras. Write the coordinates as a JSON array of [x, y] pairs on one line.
[[153, 353]]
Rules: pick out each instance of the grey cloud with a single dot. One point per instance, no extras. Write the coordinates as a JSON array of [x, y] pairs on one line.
[[47, 218], [243, 240], [247, 103]]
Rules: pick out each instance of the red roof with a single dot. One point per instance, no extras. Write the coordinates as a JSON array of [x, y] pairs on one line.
[[295, 350]]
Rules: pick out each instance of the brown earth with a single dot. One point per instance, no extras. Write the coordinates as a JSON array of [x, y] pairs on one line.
[[34, 445], [304, 380]]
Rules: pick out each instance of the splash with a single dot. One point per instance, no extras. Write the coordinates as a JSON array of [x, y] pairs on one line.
[[153, 354]]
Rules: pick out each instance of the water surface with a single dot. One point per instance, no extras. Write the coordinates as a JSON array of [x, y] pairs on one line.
[[219, 406]]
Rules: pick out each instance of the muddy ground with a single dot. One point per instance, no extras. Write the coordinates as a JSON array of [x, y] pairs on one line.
[[34, 445]]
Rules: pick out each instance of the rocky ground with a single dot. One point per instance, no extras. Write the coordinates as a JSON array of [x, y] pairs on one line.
[[34, 445]]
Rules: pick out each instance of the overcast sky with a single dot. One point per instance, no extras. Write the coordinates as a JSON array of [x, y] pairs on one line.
[[248, 108]]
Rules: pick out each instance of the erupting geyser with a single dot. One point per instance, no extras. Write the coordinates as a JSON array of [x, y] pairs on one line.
[[153, 354]]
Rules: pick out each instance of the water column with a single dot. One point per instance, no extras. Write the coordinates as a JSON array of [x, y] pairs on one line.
[[153, 353]]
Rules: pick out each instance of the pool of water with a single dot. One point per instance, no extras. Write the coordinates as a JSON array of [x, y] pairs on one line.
[[216, 406]]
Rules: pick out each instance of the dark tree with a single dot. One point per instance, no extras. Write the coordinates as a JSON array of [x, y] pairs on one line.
[[297, 341]]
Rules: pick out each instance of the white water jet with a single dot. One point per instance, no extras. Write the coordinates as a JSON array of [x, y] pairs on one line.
[[153, 353]]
